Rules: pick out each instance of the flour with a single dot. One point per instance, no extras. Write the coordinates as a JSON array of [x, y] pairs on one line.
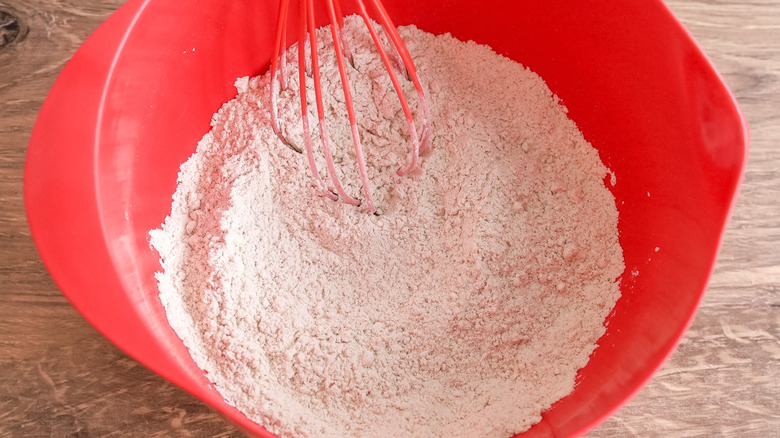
[[464, 309]]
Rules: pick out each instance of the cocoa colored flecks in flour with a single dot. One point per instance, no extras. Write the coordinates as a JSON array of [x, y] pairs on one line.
[[464, 309]]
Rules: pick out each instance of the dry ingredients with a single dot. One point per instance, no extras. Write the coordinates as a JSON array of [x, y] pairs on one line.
[[464, 309]]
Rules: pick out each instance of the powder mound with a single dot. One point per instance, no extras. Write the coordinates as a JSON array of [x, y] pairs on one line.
[[465, 309]]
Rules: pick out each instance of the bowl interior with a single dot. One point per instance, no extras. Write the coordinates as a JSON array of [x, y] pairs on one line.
[[133, 102]]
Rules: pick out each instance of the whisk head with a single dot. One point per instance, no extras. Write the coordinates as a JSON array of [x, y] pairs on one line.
[[403, 62]]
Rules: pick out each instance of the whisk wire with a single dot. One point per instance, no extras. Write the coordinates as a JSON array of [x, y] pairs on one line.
[[361, 161], [321, 112], [304, 111], [411, 70], [415, 153], [279, 44]]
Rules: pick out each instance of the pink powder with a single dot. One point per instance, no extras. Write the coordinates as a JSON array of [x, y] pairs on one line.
[[464, 309]]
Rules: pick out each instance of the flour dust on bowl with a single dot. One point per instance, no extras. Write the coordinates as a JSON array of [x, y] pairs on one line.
[[150, 78]]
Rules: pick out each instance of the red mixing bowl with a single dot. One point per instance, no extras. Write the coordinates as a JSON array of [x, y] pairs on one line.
[[131, 105]]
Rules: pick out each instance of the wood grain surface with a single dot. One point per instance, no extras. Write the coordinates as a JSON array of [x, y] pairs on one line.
[[60, 378]]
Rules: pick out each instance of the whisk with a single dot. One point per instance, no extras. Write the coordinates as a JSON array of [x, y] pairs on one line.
[[402, 59]]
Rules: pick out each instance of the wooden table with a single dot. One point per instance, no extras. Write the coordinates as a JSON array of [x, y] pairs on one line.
[[60, 378]]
